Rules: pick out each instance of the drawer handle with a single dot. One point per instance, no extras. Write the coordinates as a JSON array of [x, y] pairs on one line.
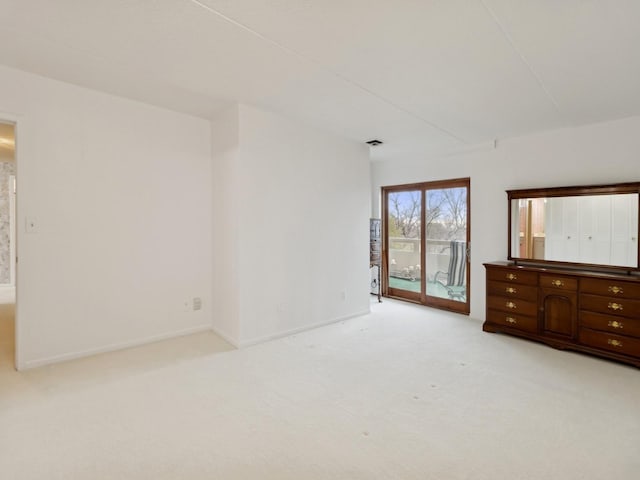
[[615, 324], [615, 289], [615, 306], [557, 283], [613, 342], [511, 320], [511, 305], [512, 276], [510, 290]]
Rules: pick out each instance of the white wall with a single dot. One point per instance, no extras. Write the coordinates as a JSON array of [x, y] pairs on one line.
[[595, 154], [225, 297], [121, 196], [300, 200]]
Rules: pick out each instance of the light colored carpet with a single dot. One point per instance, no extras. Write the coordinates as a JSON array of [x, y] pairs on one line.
[[403, 393]]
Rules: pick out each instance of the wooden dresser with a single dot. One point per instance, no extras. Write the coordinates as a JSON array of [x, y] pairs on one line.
[[596, 313]]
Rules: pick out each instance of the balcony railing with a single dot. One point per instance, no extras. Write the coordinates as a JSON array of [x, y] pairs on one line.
[[404, 257]]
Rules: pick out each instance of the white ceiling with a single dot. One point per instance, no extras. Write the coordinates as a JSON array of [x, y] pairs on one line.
[[424, 76]]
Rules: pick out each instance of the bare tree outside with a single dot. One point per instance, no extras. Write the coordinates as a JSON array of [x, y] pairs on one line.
[[448, 208], [445, 216], [404, 214]]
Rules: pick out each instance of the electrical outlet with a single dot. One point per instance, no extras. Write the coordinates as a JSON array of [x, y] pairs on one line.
[[197, 303]]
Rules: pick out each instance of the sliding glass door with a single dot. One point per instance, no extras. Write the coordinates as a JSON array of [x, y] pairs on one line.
[[404, 244], [447, 245], [426, 243]]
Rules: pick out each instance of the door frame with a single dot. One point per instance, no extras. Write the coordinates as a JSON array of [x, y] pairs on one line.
[[422, 298], [18, 124]]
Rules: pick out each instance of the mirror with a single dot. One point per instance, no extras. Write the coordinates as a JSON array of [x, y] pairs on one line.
[[595, 226]]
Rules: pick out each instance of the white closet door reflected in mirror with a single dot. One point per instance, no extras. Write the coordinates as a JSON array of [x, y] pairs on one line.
[[590, 229]]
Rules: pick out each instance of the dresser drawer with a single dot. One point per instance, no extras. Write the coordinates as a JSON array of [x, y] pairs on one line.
[[610, 288], [514, 320], [559, 281], [512, 275], [524, 292], [512, 305], [610, 342], [611, 306], [621, 326]]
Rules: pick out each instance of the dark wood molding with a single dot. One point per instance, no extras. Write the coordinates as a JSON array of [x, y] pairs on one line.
[[574, 191]]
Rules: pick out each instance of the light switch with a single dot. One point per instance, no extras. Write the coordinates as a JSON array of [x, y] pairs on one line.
[[31, 225]]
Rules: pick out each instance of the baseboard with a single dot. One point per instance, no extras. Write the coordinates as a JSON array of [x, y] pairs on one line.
[[228, 338], [286, 333], [165, 336], [110, 348]]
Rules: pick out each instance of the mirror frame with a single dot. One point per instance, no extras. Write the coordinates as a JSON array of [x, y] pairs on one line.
[[613, 189]]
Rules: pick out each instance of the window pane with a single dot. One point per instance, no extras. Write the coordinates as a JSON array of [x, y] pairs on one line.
[[405, 225], [446, 242]]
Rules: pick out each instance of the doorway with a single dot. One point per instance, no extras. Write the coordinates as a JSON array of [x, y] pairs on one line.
[[426, 243], [7, 244]]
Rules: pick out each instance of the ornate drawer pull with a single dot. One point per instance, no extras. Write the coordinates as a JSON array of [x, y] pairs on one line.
[[615, 343], [615, 324], [510, 290], [510, 305], [511, 320], [557, 283], [615, 290], [615, 306], [512, 276]]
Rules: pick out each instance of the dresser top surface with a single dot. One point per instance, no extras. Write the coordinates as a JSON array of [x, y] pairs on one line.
[[562, 270]]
